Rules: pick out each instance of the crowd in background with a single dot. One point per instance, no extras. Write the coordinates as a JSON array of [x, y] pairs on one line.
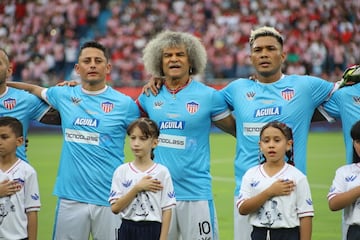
[[322, 38]]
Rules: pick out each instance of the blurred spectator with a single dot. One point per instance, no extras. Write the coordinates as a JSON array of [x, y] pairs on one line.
[[323, 36]]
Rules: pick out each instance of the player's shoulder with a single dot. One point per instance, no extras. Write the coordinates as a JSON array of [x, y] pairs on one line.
[[162, 167], [295, 172], [305, 79], [201, 88], [117, 95], [239, 85], [24, 166], [241, 82], [252, 171], [348, 168], [122, 167]]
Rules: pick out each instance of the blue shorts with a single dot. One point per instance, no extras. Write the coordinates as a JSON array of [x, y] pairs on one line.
[[145, 230]]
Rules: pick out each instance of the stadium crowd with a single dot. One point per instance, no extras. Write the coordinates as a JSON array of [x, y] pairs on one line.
[[322, 37]]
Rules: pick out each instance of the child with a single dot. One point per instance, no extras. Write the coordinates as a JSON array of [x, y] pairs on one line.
[[345, 189], [142, 191], [19, 190], [275, 194]]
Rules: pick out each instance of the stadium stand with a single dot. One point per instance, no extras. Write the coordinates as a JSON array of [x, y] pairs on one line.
[[42, 36]]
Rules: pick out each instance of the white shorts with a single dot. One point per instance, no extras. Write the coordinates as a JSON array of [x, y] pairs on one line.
[[76, 220], [242, 227], [194, 220]]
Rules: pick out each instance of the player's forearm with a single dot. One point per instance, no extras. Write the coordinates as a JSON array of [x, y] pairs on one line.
[[342, 200], [227, 125], [121, 203], [32, 225], [305, 228], [165, 224], [51, 117], [253, 204], [34, 89]]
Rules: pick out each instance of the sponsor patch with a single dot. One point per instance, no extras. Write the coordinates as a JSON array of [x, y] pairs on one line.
[[78, 136], [158, 104], [252, 129], [250, 95], [86, 122], [172, 141], [75, 100], [270, 111], [356, 100], [172, 125]]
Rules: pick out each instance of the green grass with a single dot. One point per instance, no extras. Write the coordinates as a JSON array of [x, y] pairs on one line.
[[325, 154]]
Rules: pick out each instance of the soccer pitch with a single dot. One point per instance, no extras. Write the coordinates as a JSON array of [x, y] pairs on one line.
[[325, 154]]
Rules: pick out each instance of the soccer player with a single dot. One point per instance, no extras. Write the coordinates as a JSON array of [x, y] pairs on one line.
[[275, 194], [290, 99], [22, 105], [184, 110], [142, 191], [94, 121], [19, 195], [344, 104], [344, 192]]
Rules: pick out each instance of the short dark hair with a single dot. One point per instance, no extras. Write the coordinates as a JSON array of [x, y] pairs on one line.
[[94, 44], [15, 125]]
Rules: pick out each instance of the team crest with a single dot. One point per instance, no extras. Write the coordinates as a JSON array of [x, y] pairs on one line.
[[288, 94], [250, 95], [10, 103], [107, 106], [192, 107]]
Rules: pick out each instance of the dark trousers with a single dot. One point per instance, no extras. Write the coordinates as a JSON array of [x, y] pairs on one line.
[[143, 230], [353, 232], [260, 233]]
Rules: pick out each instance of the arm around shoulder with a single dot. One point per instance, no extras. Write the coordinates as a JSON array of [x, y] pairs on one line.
[[32, 88]]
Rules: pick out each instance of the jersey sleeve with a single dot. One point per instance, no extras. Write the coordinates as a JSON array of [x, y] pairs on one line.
[[37, 107], [140, 101], [305, 206], [338, 184], [168, 197], [53, 94], [245, 189], [332, 105], [31, 190], [220, 109], [116, 188], [227, 94], [133, 111], [321, 89]]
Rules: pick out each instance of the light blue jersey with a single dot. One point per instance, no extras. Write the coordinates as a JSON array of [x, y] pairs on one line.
[[94, 130], [344, 104], [291, 100], [25, 107], [184, 120]]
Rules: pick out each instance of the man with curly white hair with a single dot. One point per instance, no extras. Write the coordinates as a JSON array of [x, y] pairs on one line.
[[184, 109]]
